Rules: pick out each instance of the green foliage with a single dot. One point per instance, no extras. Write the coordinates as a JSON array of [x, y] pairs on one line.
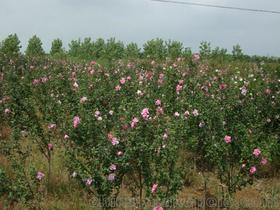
[[56, 48], [132, 51], [174, 49], [155, 49], [237, 52], [10, 47], [34, 47], [205, 49]]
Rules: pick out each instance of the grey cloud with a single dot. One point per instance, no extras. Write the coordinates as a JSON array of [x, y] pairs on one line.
[[140, 20]]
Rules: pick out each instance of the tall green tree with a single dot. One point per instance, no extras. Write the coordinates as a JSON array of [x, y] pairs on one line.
[[10, 47], [155, 49], [34, 47], [57, 47], [132, 51]]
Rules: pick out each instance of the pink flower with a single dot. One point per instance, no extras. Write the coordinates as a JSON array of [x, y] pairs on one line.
[[134, 122], [264, 161], [52, 126], [196, 57], [89, 181], [40, 175], [181, 82], [154, 188], [115, 141], [253, 170], [158, 102], [145, 113], [128, 77], [257, 152], [158, 207], [92, 63], [119, 153], [50, 146], [66, 136], [244, 90], [113, 167], [243, 165], [227, 139], [122, 81], [195, 112], [75, 85], [97, 113], [76, 121], [36, 82], [118, 88], [176, 114], [186, 114], [159, 110], [178, 88], [222, 86], [7, 111], [111, 177], [83, 99]]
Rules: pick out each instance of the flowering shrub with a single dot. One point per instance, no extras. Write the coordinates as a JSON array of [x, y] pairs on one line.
[[134, 123]]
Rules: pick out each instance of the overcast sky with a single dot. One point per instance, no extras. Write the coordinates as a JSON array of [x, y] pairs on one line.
[[141, 20]]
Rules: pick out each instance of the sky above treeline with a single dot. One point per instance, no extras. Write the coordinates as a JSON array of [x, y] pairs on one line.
[[142, 20]]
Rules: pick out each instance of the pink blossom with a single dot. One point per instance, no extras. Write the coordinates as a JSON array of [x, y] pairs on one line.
[[122, 81], [118, 88], [7, 111], [128, 77], [227, 139], [111, 177], [66, 136], [50, 146], [113, 167], [119, 153], [44, 79], [97, 113], [176, 114], [244, 90], [187, 114], [36, 82], [158, 102], [52, 126], [196, 57], [154, 188], [115, 141], [76, 121], [145, 113], [134, 122], [195, 112], [181, 82], [92, 63], [253, 170], [75, 85], [83, 99], [89, 181], [158, 207], [243, 165], [264, 161], [40, 175], [159, 110], [178, 88], [222, 86], [257, 152], [165, 136]]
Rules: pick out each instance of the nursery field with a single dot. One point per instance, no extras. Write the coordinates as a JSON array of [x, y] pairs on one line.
[[193, 131]]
